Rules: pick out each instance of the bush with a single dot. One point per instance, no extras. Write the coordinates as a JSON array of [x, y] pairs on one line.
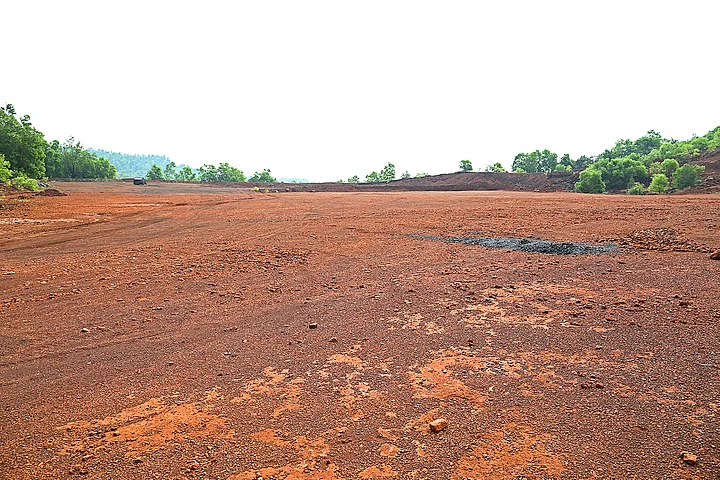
[[21, 181], [636, 189], [659, 183], [590, 182], [687, 176]]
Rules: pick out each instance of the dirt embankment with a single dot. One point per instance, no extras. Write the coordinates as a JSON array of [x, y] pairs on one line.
[[460, 181]]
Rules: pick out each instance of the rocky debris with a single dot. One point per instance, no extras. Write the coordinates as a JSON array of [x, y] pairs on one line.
[[689, 458], [312, 326], [529, 245], [51, 192], [660, 239], [715, 255], [438, 425]]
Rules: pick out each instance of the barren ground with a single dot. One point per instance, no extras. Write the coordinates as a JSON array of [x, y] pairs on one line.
[[165, 332]]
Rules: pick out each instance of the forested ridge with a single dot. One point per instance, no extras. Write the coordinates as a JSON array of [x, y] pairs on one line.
[[131, 165]]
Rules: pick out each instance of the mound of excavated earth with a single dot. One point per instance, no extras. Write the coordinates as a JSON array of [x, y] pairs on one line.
[[190, 332]]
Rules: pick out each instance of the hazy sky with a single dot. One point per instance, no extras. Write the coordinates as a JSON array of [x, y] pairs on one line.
[[324, 90]]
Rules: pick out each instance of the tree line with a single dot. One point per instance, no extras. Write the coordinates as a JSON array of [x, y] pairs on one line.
[[651, 162], [26, 157], [207, 173]]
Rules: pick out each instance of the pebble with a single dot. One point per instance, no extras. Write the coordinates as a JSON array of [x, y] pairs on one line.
[[715, 255], [312, 326], [689, 458], [333, 340], [438, 425], [85, 330]]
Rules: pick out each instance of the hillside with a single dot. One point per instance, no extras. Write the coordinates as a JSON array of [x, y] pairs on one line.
[[131, 165]]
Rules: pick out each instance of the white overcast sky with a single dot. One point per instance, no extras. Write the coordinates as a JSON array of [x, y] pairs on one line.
[[324, 90]]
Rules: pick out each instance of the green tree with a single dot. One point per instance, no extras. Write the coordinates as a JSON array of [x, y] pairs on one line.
[[566, 161], [668, 166], [547, 161], [525, 163], [466, 165], [421, 174], [372, 177], [659, 183], [5, 172], [186, 174], [23, 145], [387, 174], [591, 181], [208, 173], [687, 176], [155, 173], [495, 168], [170, 172], [263, 176], [636, 189], [537, 161], [405, 175], [354, 179]]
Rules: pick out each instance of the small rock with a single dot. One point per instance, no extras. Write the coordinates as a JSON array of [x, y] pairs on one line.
[[85, 330], [312, 326], [333, 340], [438, 425], [715, 255], [689, 458], [137, 460]]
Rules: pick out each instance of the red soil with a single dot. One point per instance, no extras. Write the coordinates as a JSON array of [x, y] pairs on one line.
[[164, 332]]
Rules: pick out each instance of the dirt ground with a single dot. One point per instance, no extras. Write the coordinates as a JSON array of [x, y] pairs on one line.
[[182, 331]]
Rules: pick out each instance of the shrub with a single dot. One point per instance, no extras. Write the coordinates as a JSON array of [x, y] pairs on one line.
[[590, 182], [687, 176], [659, 183], [21, 181], [636, 189]]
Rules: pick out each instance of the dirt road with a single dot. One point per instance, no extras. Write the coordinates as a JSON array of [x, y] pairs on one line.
[[177, 331]]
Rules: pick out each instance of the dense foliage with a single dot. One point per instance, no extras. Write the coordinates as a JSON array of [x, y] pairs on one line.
[[687, 176], [466, 165], [27, 156], [536, 161], [71, 160], [627, 162], [22, 145]]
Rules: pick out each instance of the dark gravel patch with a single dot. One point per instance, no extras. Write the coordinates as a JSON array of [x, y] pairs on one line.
[[530, 245]]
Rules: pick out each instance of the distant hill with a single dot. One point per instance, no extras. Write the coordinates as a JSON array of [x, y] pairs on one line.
[[131, 165]]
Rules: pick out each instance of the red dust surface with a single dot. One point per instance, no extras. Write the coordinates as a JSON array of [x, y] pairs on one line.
[[183, 331]]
